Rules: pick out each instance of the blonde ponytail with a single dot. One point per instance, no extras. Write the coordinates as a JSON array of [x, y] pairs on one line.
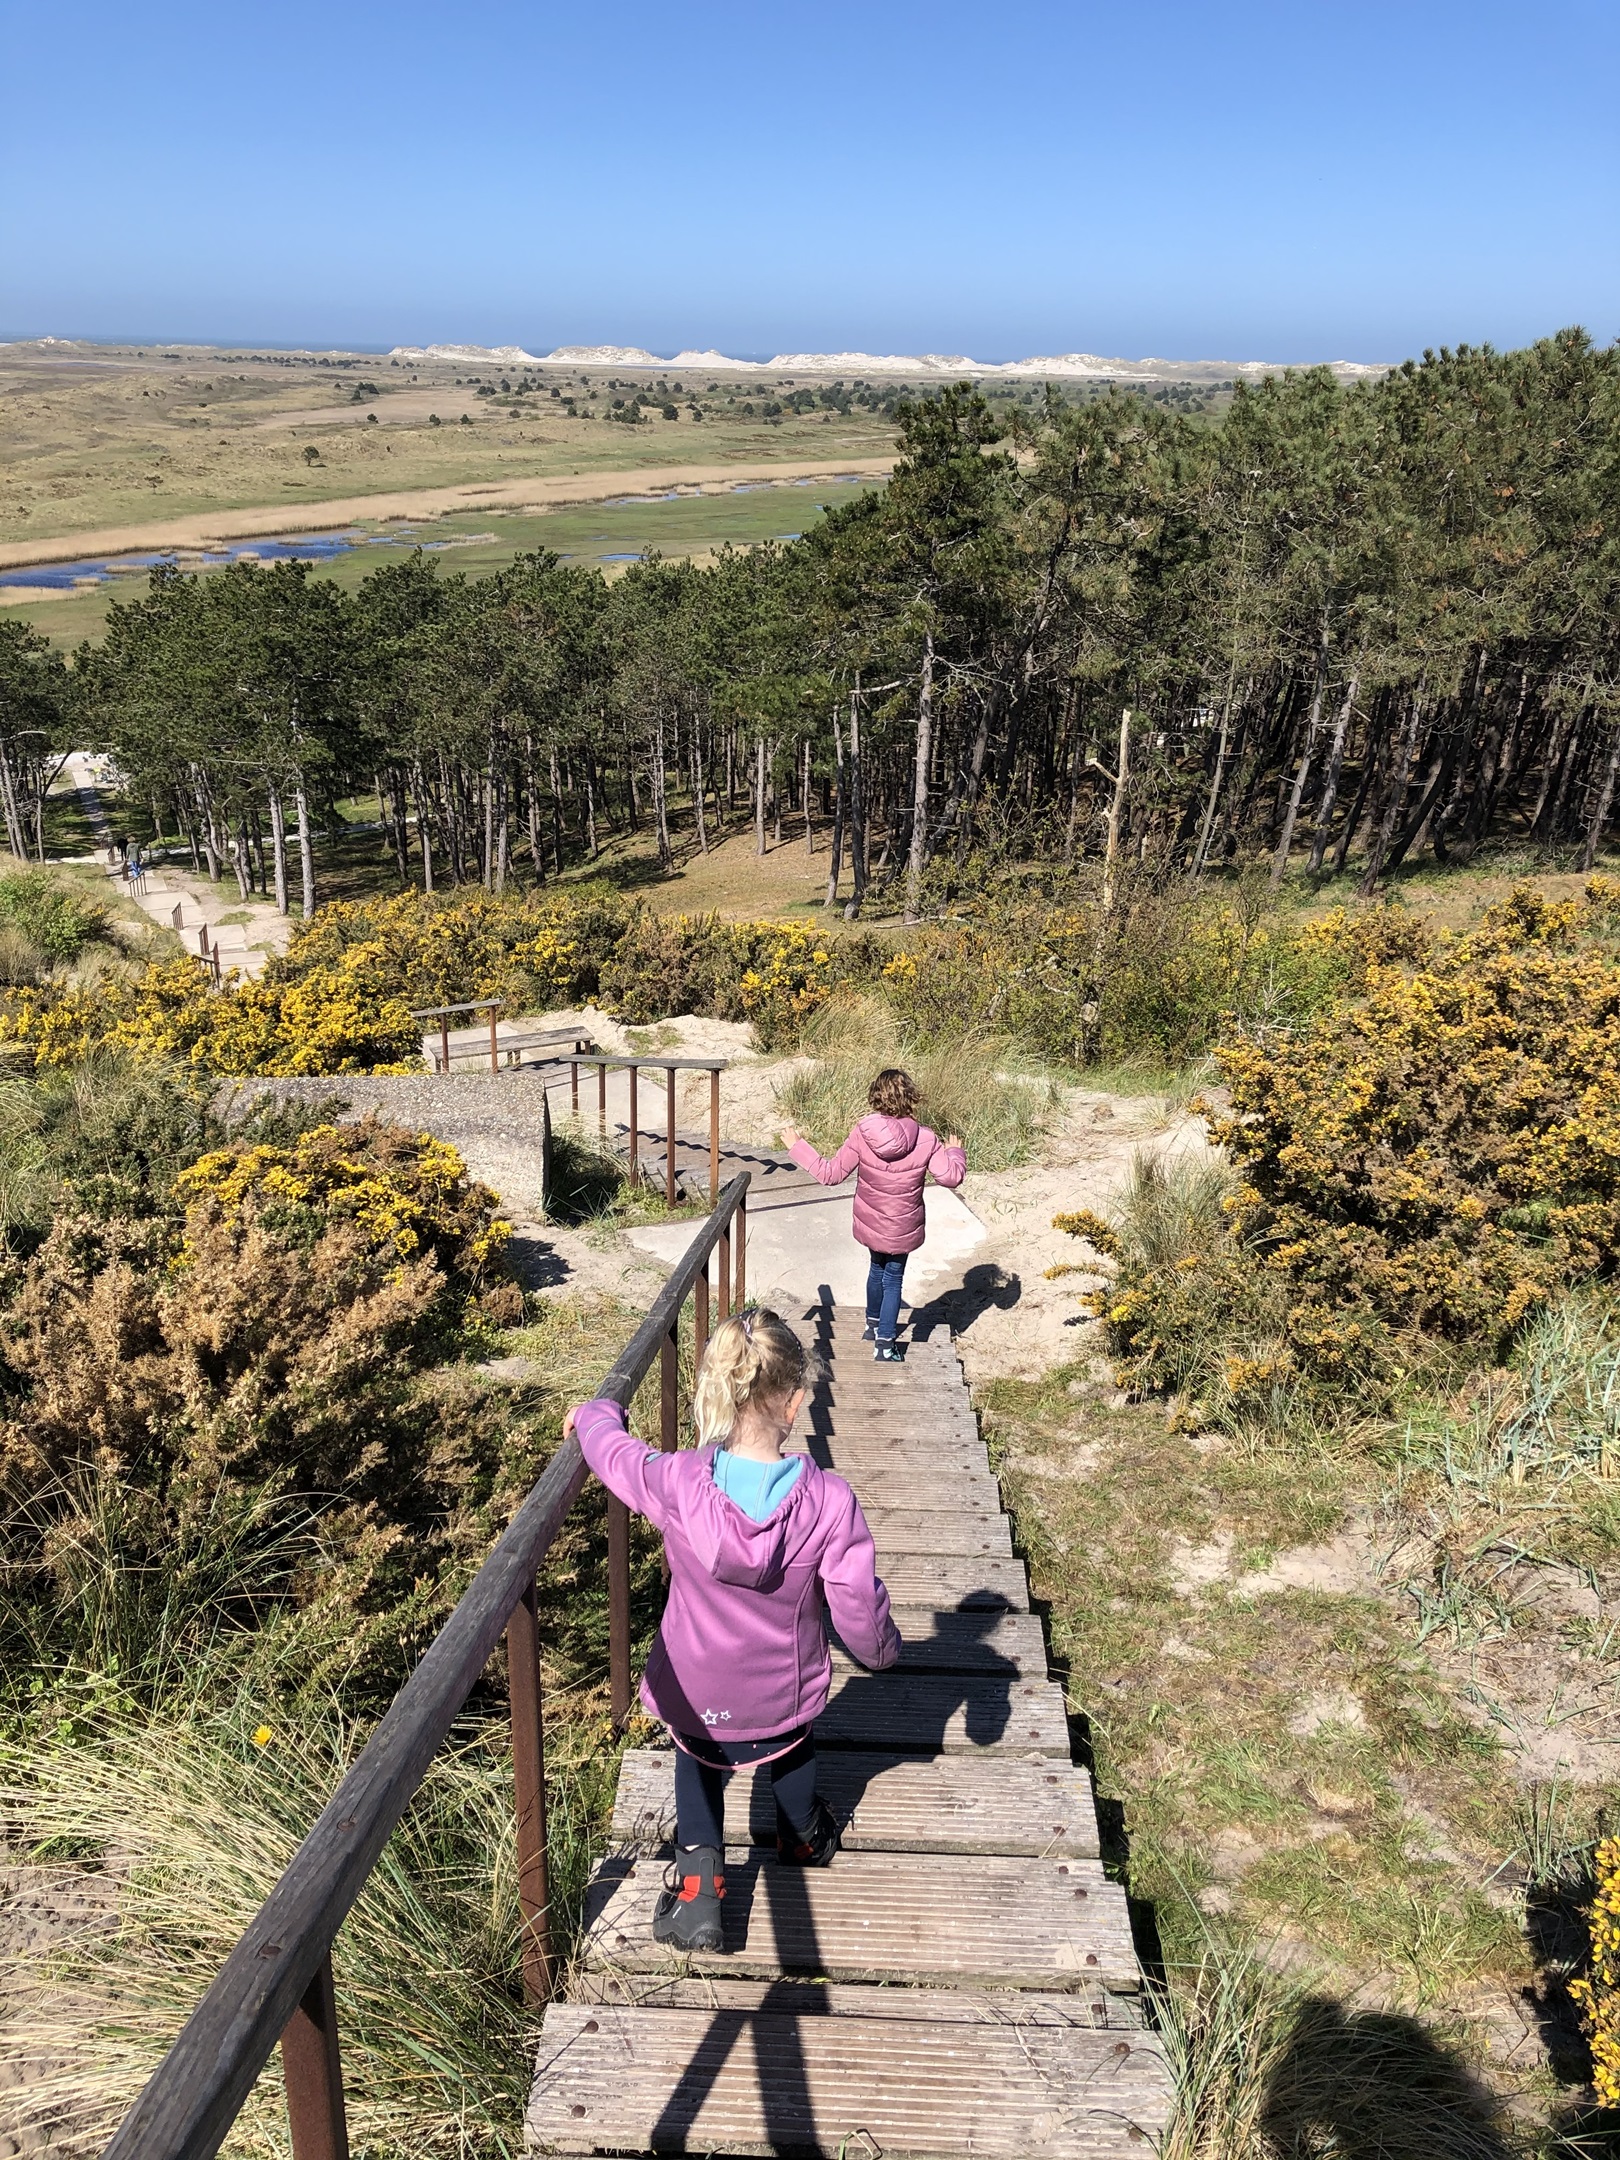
[[753, 1356]]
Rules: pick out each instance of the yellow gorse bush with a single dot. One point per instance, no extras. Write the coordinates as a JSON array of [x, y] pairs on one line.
[[409, 1196], [1597, 1992]]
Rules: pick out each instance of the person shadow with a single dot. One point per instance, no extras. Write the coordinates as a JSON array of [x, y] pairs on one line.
[[1375, 2085]]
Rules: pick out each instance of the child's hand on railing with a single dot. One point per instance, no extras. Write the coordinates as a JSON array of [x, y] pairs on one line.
[[953, 1139], [789, 1136], [568, 1422]]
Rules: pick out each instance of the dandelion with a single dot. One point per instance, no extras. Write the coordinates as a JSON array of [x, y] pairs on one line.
[[262, 1736]]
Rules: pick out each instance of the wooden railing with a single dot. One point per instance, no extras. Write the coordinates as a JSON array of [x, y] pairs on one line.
[[276, 1984], [606, 1062]]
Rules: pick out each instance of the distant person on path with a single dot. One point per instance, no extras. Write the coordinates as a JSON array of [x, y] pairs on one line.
[[892, 1157], [759, 1543]]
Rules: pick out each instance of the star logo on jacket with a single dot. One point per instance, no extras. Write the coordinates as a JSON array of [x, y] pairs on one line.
[[717, 1717]]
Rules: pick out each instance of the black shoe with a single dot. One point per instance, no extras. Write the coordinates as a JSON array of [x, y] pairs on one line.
[[813, 1849], [869, 1332], [888, 1353], [687, 1914]]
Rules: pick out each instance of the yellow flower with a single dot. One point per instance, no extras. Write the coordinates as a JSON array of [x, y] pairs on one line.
[[262, 1736]]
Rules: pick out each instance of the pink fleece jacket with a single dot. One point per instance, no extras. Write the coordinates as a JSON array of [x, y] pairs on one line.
[[891, 1157], [741, 1649]]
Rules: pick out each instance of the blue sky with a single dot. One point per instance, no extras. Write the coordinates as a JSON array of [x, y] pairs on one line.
[[1277, 181]]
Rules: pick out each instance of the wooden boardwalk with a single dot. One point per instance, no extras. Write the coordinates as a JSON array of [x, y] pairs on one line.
[[962, 1979]]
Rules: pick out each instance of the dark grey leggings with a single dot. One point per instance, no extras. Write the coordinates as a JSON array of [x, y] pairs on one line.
[[700, 1792]]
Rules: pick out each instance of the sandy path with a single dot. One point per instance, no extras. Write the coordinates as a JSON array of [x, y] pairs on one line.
[[540, 492]]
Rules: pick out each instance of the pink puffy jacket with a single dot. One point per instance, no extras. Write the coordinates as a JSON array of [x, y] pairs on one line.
[[741, 1649], [891, 1157]]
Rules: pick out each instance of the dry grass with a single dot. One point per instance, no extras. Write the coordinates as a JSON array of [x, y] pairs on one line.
[[982, 1087]]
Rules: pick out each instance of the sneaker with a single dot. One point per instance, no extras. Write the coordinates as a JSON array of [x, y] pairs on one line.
[[687, 1914], [816, 1847], [887, 1353], [869, 1332]]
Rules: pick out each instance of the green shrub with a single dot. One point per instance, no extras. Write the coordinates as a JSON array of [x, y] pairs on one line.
[[55, 916]]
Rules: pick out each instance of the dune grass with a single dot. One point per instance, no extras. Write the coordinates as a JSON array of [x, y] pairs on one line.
[[984, 1087]]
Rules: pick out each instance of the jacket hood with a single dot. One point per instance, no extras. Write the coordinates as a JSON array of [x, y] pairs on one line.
[[889, 1137], [734, 1549]]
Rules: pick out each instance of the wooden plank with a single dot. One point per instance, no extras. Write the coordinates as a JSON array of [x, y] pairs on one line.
[[964, 1642], [983, 1803], [941, 1531], [911, 1918], [938, 1462], [881, 1481], [949, 1580], [1088, 2011], [725, 2081], [945, 1714]]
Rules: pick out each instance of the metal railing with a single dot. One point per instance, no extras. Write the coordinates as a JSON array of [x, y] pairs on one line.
[[276, 1984]]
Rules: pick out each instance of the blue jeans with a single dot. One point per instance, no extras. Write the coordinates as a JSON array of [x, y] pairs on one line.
[[884, 1279]]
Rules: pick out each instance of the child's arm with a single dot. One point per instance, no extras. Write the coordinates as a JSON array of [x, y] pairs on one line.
[[948, 1163], [625, 1465], [825, 1169], [856, 1599]]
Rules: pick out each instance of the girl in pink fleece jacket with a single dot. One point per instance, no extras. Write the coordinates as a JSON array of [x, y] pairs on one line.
[[759, 1544], [891, 1156]]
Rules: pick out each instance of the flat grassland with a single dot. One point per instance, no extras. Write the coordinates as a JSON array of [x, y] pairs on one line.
[[98, 440]]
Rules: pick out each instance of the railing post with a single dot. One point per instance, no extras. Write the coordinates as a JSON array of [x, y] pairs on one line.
[[601, 1100], [700, 1316], [618, 1520], [314, 2073], [573, 1089], [444, 1044], [714, 1136], [722, 1271], [529, 1782], [635, 1144], [742, 1252], [669, 1136], [494, 1047], [669, 1389]]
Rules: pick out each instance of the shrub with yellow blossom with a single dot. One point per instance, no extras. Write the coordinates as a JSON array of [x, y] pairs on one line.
[[1597, 1992]]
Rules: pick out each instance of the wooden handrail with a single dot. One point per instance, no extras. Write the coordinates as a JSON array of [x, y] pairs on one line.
[[275, 1985]]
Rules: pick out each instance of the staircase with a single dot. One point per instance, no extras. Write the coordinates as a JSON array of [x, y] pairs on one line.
[[962, 1979]]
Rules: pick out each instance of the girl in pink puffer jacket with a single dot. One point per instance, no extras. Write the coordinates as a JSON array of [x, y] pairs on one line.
[[892, 1157]]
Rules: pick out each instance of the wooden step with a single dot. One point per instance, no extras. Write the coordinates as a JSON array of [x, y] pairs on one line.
[[923, 1919], [609, 2079], [964, 1642], [952, 1581], [882, 1481], [914, 1530], [945, 1714], [937, 1463], [1089, 2010], [982, 1803]]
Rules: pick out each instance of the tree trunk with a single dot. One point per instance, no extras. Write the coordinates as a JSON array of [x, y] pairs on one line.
[[306, 848], [1116, 811], [698, 817], [590, 802], [1330, 776], [1279, 866], [919, 787], [759, 796], [809, 830], [1395, 800], [837, 815], [278, 851], [1600, 816], [666, 854], [860, 846], [8, 790], [424, 828]]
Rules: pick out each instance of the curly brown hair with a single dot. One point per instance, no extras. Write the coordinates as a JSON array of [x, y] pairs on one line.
[[893, 1093]]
